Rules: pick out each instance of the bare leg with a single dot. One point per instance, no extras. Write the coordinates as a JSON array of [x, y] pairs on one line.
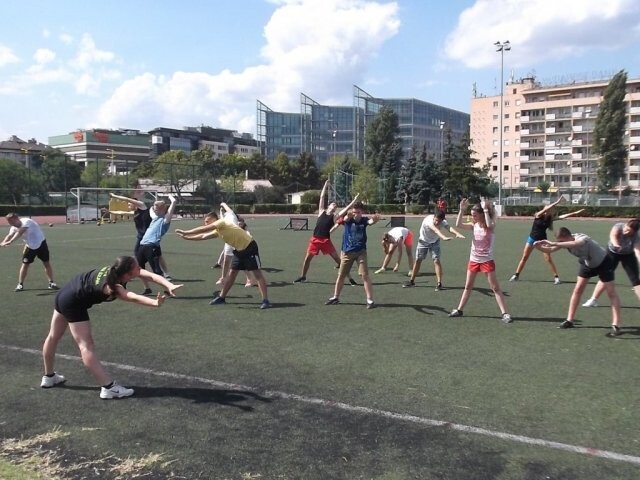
[[525, 256], [468, 288], [22, 273], [552, 266], [307, 262], [163, 265], [415, 269], [81, 332], [366, 279], [409, 249], [581, 284], [48, 271], [262, 283], [615, 303], [495, 286], [56, 331], [437, 266], [597, 291], [228, 282]]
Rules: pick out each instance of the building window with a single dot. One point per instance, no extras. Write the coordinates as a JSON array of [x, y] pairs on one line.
[[506, 115], [506, 129], [505, 154], [517, 128], [518, 101], [494, 168], [495, 117], [495, 129], [495, 104], [506, 103]]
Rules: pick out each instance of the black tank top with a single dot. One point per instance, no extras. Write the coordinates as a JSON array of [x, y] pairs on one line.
[[323, 225], [141, 219], [540, 227], [89, 287]]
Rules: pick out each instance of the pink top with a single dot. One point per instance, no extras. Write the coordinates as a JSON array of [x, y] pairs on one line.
[[482, 244]]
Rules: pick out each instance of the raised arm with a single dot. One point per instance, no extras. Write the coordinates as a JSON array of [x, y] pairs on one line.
[[464, 204], [375, 218], [547, 208], [346, 209], [570, 214], [322, 204], [171, 209], [487, 207], [139, 204]]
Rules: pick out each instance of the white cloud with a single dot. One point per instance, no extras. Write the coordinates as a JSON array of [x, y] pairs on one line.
[[318, 47], [44, 55], [66, 38], [46, 33], [89, 54], [7, 56], [541, 30]]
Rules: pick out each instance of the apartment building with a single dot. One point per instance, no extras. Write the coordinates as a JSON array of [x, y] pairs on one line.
[[546, 135]]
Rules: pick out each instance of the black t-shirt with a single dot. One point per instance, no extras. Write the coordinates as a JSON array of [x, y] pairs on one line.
[[88, 287], [142, 220], [540, 227], [323, 225]]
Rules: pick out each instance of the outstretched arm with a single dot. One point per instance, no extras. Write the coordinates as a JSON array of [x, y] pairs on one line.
[[322, 204], [346, 209], [489, 219], [12, 236], [375, 218], [547, 208], [464, 204], [170, 210], [571, 214], [198, 236], [141, 205]]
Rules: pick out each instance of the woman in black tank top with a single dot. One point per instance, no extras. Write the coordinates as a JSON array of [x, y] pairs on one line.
[[71, 310]]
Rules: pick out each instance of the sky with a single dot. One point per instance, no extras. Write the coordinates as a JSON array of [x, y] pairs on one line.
[[141, 64]]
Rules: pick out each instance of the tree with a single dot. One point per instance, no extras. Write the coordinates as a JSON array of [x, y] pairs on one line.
[[93, 173], [426, 182], [13, 181], [407, 171], [382, 141], [282, 173], [306, 171], [366, 184], [58, 172], [177, 169], [608, 133], [463, 177]]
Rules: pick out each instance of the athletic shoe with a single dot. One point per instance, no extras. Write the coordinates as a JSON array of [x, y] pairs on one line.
[[220, 281], [168, 277], [455, 313], [352, 282], [332, 301], [147, 291], [556, 281], [300, 279], [371, 304], [217, 301], [615, 331], [592, 302], [408, 284], [217, 265], [409, 274], [265, 304], [48, 382], [248, 284], [506, 318], [19, 287], [380, 270], [566, 324], [116, 391], [53, 286], [514, 278], [439, 287]]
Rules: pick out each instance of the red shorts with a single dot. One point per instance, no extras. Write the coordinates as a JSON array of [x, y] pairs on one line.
[[409, 240], [317, 245], [484, 267]]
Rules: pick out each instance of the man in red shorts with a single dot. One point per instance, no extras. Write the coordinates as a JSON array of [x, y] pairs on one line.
[[321, 239]]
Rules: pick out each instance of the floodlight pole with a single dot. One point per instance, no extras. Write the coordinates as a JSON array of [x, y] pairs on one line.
[[501, 47]]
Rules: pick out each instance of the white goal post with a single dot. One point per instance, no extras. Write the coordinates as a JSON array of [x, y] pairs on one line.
[[89, 199]]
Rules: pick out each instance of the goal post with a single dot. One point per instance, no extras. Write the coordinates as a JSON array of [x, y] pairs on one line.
[[92, 202]]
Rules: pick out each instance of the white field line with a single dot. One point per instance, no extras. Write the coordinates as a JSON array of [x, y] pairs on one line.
[[592, 452]]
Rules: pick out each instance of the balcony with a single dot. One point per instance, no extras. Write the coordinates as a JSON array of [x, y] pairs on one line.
[[524, 131], [634, 154], [524, 158], [548, 156], [576, 143], [524, 118], [576, 184], [550, 143], [576, 115], [524, 144], [633, 168], [549, 171], [550, 116], [550, 130], [634, 183], [634, 110], [575, 170], [576, 156], [634, 125], [576, 128]]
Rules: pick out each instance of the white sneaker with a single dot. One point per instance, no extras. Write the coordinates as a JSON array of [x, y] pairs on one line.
[[220, 281], [514, 278], [556, 281], [48, 382], [592, 302], [116, 391]]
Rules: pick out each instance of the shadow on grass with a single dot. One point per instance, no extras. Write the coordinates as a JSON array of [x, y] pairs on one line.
[[227, 398], [626, 333], [271, 269]]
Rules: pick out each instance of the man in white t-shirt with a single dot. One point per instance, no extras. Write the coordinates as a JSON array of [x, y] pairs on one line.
[[429, 241], [35, 246]]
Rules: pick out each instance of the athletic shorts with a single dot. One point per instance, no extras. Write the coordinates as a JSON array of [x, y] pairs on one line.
[[247, 259], [318, 244], [227, 250], [68, 305], [484, 267], [150, 253], [409, 240], [423, 250], [629, 264], [42, 252], [604, 271], [347, 260]]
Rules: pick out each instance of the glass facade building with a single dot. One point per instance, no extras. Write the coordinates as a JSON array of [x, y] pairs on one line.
[[328, 130]]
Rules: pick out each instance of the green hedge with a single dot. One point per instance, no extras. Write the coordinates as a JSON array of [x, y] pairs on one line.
[[589, 211]]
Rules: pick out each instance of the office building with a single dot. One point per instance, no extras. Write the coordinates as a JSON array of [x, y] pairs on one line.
[[189, 139]]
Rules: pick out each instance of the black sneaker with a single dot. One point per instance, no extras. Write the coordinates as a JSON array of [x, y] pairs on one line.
[[566, 324], [439, 287], [300, 280], [218, 301], [53, 286], [408, 284], [332, 301], [352, 282], [615, 331], [147, 291], [455, 313]]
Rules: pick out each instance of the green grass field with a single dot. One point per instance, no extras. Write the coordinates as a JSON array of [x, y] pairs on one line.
[[308, 391]]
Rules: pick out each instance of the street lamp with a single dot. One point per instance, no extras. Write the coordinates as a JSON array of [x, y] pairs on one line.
[[442, 124], [27, 162], [501, 47]]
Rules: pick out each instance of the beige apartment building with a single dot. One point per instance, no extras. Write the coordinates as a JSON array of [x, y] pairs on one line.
[[547, 135]]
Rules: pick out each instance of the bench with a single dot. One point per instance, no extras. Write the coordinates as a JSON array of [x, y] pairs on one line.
[[297, 223], [395, 222]]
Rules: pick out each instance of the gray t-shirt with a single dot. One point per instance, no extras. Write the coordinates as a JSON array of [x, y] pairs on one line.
[[589, 253], [626, 241]]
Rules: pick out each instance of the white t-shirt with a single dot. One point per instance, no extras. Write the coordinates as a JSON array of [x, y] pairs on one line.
[[481, 244], [32, 236], [397, 232], [427, 235]]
